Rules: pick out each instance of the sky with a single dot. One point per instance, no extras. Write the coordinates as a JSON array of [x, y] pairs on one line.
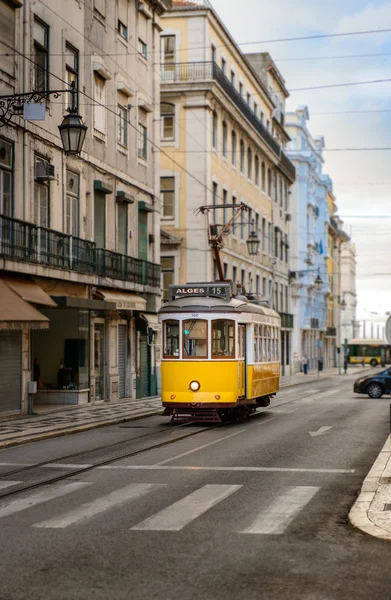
[[362, 180]]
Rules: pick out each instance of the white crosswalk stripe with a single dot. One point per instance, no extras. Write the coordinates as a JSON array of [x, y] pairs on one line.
[[49, 493], [276, 518], [176, 516], [7, 484], [91, 509]]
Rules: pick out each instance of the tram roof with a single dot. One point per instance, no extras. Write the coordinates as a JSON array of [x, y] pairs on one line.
[[210, 304]]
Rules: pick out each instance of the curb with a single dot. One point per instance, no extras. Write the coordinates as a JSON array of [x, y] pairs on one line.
[[61, 432], [367, 513]]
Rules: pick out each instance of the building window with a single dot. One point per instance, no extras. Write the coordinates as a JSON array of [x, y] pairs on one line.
[[286, 248], [281, 197], [122, 228], [276, 297], [281, 298], [262, 117], [99, 105], [225, 270], [258, 285], [243, 277], [142, 141], [286, 197], [234, 201], [256, 109], [264, 290], [225, 210], [100, 7], [122, 125], [142, 48], [248, 98], [41, 198], [286, 299], [269, 183], [168, 274], [263, 177], [263, 235], [215, 126], [122, 30], [213, 53], [256, 170], [233, 143], [168, 53], [242, 225], [234, 274], [167, 119], [225, 139], [282, 244], [72, 68], [41, 56], [275, 187], [241, 89], [257, 224], [72, 204], [233, 79], [250, 218], [270, 289], [6, 178], [223, 65], [167, 196], [241, 156], [270, 237], [249, 163], [215, 200], [276, 244]]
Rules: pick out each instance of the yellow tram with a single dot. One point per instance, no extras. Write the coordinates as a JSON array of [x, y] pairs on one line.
[[220, 353]]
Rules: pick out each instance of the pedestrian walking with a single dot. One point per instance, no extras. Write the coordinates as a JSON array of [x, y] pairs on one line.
[[304, 362]]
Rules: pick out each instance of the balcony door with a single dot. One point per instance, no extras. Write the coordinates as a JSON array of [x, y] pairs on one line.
[[143, 235], [100, 219]]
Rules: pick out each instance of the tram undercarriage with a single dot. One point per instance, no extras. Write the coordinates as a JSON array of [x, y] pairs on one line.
[[214, 413]]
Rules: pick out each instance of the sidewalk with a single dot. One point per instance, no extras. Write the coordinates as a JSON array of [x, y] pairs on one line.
[[300, 378], [68, 420], [371, 513]]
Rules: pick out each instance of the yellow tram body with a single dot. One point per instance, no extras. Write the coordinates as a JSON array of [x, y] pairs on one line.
[[220, 353]]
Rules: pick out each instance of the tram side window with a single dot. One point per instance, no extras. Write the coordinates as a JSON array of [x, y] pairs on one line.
[[195, 338], [223, 339], [256, 353], [171, 339], [268, 343], [273, 344], [261, 344]]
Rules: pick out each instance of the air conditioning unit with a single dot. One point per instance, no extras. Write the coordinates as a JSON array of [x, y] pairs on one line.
[[44, 171]]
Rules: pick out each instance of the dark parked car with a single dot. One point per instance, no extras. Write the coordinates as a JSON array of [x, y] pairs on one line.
[[375, 386]]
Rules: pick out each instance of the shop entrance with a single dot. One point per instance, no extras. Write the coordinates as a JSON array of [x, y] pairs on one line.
[[99, 361], [10, 371]]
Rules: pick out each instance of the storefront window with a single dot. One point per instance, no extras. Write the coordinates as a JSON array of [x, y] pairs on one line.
[[171, 339], [195, 338], [223, 339]]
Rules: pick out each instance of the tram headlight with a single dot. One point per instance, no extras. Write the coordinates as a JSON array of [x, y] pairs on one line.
[[194, 386]]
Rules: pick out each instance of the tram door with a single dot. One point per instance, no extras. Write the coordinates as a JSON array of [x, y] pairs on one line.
[[242, 361]]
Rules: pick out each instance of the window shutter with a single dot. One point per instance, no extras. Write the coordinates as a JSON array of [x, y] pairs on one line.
[[123, 11], [100, 7], [7, 35], [142, 28]]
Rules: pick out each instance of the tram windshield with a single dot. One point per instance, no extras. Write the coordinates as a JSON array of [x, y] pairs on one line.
[[171, 339], [195, 338], [223, 339]]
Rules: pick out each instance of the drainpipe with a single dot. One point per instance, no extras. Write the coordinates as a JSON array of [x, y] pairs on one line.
[[26, 73]]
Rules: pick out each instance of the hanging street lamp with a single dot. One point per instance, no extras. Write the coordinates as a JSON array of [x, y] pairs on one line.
[[253, 241], [318, 282]]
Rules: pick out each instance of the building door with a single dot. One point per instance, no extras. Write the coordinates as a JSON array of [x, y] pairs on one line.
[[143, 235], [100, 219], [10, 372], [242, 360], [143, 381], [122, 359], [99, 360]]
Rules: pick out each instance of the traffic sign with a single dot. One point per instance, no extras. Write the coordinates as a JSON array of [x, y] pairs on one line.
[[388, 330]]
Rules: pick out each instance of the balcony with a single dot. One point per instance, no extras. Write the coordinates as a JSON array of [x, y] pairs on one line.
[[331, 332], [287, 321], [26, 242], [204, 71], [314, 324]]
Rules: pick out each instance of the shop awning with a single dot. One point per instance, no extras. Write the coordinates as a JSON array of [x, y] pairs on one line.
[[152, 320], [29, 291], [16, 314], [124, 301]]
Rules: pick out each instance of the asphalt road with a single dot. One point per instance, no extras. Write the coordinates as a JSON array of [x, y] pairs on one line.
[[247, 511]]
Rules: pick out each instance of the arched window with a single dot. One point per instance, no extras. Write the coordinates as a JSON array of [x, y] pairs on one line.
[[263, 177], [242, 156], [233, 143], [256, 170], [215, 130], [167, 120], [225, 139], [269, 183], [249, 163]]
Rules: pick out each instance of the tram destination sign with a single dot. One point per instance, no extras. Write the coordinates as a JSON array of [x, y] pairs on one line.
[[200, 290]]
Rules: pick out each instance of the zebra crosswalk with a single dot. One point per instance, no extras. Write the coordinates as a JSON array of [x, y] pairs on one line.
[[275, 519]]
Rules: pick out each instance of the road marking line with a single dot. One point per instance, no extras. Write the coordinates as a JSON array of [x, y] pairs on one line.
[[275, 519], [176, 516], [321, 431], [15, 464], [283, 411], [54, 491], [6, 484], [65, 466], [237, 469], [91, 509], [329, 393], [163, 462]]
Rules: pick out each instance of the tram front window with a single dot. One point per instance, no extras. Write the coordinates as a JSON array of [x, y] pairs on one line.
[[223, 339], [195, 338], [171, 339]]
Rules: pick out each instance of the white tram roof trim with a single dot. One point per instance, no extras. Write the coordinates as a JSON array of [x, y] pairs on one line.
[[209, 304]]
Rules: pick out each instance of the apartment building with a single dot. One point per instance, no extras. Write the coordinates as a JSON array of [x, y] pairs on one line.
[[79, 234], [350, 327], [222, 143]]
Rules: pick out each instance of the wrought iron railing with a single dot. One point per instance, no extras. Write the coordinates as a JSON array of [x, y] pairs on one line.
[[27, 242], [287, 320], [287, 167], [314, 323], [331, 331]]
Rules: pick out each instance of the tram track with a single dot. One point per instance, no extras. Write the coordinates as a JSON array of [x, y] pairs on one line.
[[72, 472]]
